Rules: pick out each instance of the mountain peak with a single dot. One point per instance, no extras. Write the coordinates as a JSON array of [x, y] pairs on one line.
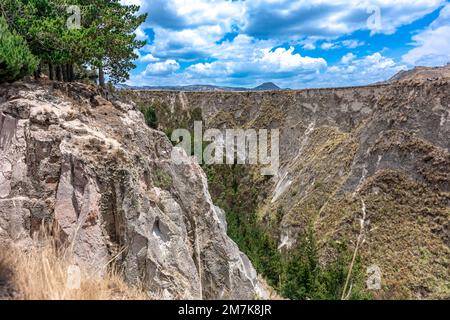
[[267, 86]]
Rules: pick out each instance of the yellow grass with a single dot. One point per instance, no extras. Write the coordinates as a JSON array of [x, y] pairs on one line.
[[43, 273]]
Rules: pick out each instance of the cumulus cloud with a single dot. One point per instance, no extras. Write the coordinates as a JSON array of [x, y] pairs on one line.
[[185, 44], [131, 2], [283, 60], [184, 29], [264, 62], [361, 71], [148, 58], [183, 14], [431, 47], [351, 44], [347, 58], [329, 19], [161, 68], [309, 46], [140, 34], [243, 42], [328, 46]]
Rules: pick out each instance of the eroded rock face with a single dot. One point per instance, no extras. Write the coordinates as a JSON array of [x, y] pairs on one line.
[[91, 165], [386, 145]]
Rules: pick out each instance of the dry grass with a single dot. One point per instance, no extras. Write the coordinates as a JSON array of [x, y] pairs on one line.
[[42, 274]]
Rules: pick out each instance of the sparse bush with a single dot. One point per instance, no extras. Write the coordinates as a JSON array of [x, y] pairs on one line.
[[162, 179]]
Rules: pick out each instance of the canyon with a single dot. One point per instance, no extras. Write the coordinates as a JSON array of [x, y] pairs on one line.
[[370, 162], [368, 166]]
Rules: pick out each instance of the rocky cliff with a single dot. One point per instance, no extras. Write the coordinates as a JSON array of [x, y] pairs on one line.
[[366, 160], [83, 161]]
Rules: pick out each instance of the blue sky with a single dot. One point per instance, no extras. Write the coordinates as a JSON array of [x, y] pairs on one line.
[[294, 43]]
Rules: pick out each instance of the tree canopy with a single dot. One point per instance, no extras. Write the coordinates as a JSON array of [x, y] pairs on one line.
[[70, 35], [16, 59]]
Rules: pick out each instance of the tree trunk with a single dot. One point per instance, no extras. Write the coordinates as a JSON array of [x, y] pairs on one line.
[[50, 72], [37, 73], [69, 79], [71, 73], [101, 77], [64, 72], [58, 73]]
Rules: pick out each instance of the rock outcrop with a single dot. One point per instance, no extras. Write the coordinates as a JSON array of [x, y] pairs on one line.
[[86, 162], [422, 73], [385, 146]]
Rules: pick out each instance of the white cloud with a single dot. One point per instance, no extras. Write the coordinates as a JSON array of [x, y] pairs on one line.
[[333, 18], [185, 29], [260, 63], [352, 44], [360, 71], [140, 34], [282, 60], [161, 68], [148, 58], [351, 70], [237, 39], [131, 2], [377, 62], [309, 46], [185, 44], [347, 58], [327, 46], [432, 48]]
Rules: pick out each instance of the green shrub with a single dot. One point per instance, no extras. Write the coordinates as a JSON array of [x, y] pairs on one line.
[[16, 60], [150, 117]]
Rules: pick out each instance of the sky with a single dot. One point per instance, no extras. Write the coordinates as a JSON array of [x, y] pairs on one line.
[[293, 43]]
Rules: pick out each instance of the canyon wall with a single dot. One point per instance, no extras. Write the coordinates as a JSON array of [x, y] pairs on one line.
[[363, 160]]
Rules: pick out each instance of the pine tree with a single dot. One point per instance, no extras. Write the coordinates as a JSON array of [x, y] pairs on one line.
[[105, 39], [16, 60], [115, 25]]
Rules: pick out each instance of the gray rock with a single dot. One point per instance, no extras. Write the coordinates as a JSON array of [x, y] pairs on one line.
[[109, 184]]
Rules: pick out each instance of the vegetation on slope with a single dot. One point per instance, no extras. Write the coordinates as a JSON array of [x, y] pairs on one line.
[[296, 273], [16, 60], [394, 159], [43, 273]]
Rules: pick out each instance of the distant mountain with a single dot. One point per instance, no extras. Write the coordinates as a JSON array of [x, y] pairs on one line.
[[267, 86], [201, 87], [422, 73]]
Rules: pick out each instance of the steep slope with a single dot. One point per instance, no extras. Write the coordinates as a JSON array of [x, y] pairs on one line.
[[423, 73], [380, 152], [91, 167]]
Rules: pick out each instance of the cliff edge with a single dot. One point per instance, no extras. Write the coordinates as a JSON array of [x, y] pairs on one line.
[[79, 159]]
